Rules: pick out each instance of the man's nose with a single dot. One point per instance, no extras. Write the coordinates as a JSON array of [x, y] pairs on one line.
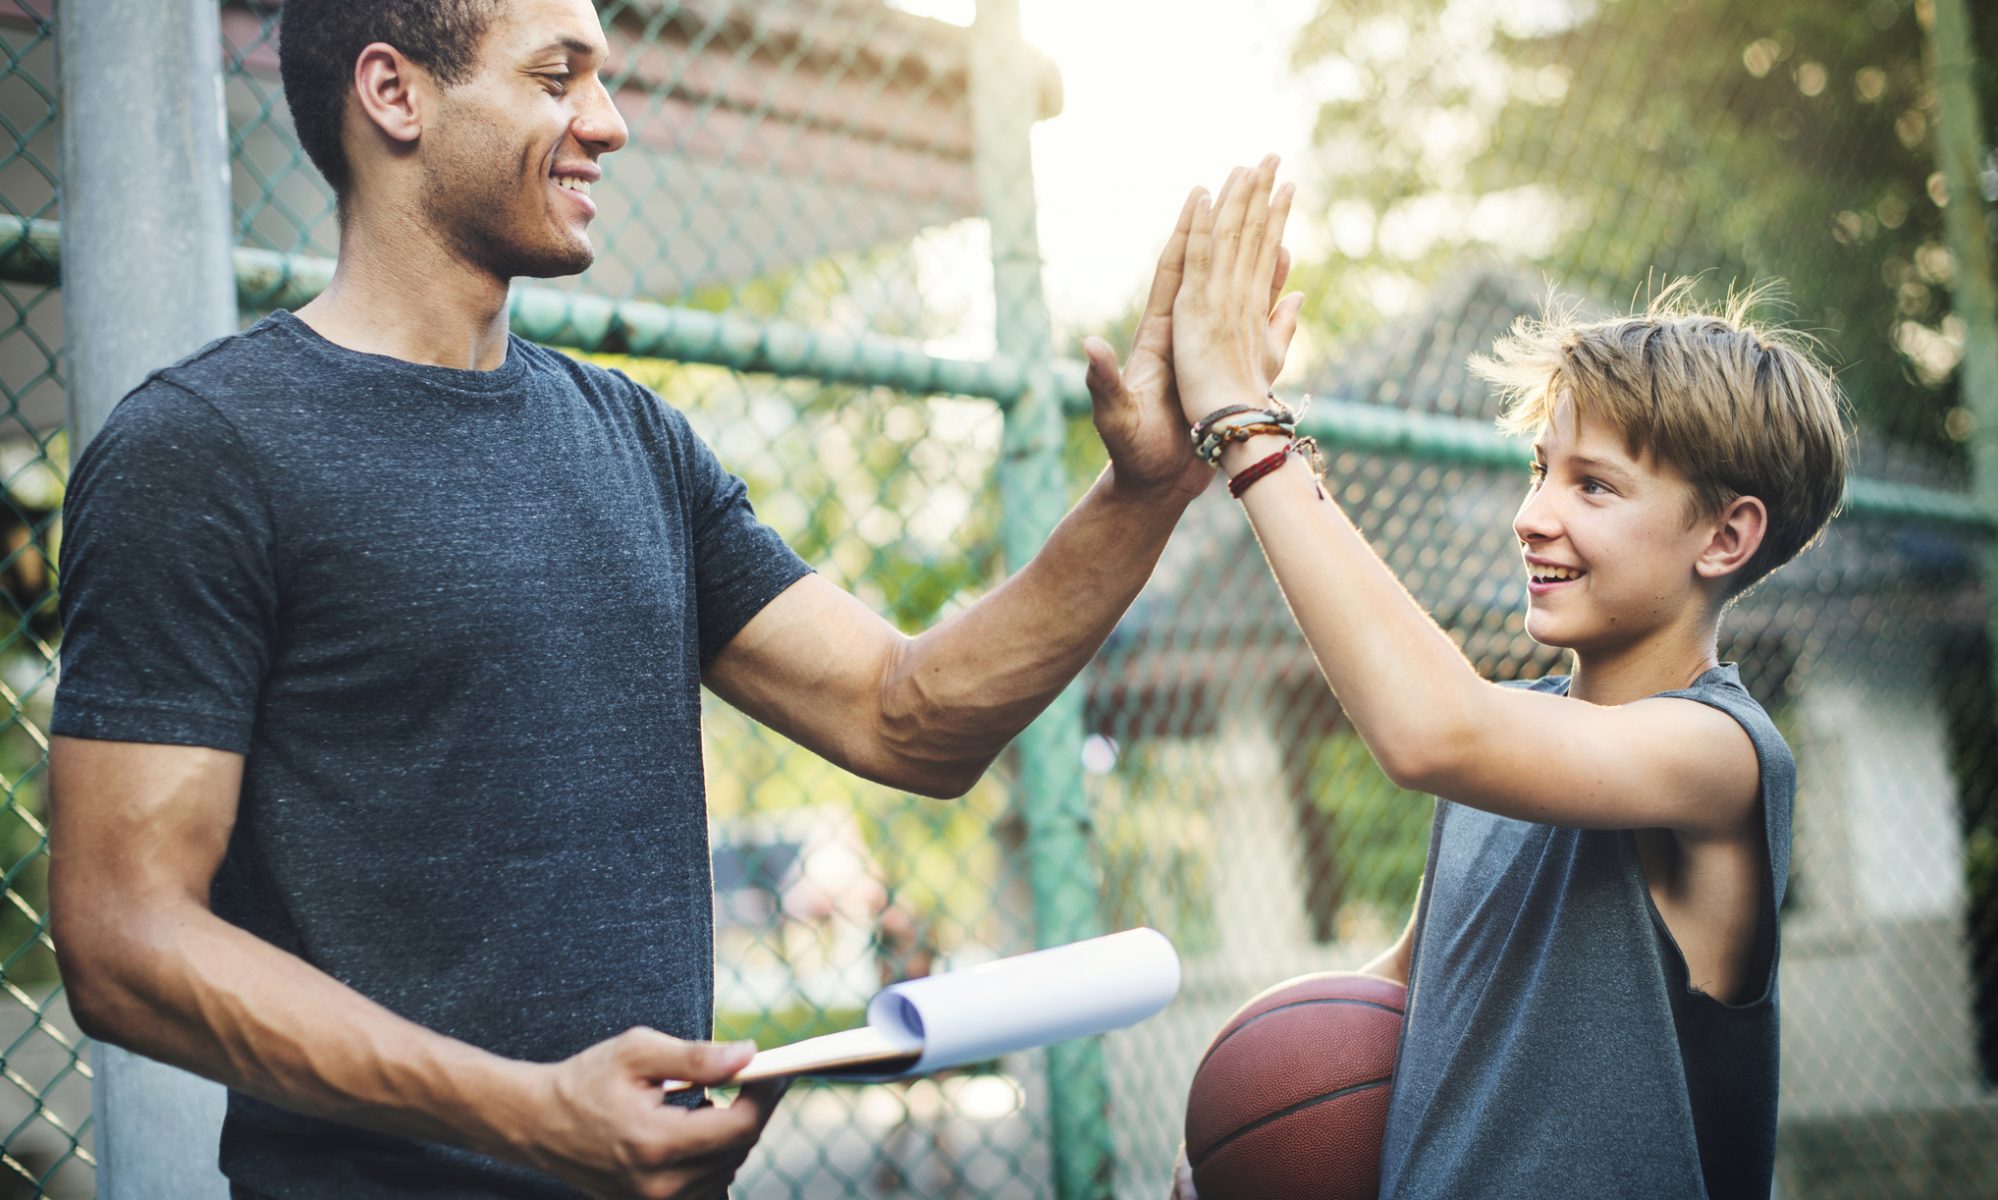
[[599, 125]]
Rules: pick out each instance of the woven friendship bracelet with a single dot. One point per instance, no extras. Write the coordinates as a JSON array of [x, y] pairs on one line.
[[1256, 470], [1304, 448]]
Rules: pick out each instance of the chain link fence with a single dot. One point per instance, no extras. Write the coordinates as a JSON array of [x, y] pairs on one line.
[[820, 244]]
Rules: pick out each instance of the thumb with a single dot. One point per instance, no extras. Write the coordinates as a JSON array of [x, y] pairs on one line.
[[656, 1056], [1283, 320], [1106, 382], [1281, 275]]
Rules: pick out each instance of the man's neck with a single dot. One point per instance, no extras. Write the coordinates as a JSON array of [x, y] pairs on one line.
[[398, 290]]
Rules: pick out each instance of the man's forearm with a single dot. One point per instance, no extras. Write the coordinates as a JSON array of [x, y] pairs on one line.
[[183, 986], [965, 688]]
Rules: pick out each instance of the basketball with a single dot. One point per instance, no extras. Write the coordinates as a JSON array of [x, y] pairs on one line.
[[1291, 1098]]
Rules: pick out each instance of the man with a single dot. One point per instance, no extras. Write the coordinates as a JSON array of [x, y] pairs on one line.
[[378, 789]]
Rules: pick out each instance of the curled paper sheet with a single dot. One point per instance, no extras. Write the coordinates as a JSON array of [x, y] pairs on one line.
[[1019, 1003]]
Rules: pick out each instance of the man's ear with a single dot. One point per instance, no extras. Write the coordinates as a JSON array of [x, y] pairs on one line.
[[1737, 534], [391, 91]]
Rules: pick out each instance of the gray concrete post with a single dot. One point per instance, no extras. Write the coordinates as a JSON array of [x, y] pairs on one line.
[[146, 279]]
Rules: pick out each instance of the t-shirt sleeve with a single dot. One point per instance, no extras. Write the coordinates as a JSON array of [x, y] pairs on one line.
[[740, 564], [168, 598]]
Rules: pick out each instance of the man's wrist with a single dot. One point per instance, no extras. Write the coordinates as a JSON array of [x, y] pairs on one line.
[[498, 1105], [1166, 497]]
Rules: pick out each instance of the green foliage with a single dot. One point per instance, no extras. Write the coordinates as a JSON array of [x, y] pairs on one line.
[[1606, 143], [1380, 833]]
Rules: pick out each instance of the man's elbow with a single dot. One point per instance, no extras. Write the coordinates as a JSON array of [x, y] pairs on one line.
[[938, 780], [98, 998], [98, 954]]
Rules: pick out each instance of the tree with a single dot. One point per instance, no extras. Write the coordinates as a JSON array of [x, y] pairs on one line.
[[1609, 141]]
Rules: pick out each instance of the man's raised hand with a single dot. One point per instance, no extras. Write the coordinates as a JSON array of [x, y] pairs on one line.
[[1137, 410], [1231, 333]]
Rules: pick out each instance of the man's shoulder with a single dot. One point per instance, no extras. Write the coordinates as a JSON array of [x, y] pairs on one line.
[[597, 380]]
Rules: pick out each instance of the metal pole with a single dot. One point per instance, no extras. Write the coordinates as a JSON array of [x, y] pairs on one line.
[[1959, 143], [146, 279], [1034, 490]]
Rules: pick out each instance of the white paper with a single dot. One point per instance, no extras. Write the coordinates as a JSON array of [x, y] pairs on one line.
[[1020, 1003], [1030, 1000]]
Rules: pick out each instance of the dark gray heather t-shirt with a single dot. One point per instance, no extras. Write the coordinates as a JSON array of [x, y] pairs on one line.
[[456, 621], [1553, 1045]]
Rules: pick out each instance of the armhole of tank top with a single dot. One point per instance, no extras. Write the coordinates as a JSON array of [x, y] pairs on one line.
[[1763, 970]]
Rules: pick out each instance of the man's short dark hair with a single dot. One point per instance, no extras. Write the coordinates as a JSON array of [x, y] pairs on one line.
[[320, 39]]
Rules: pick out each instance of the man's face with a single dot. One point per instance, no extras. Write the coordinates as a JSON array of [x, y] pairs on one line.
[[509, 164], [1608, 549]]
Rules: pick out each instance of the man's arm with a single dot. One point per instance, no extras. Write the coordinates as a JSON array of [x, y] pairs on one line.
[[138, 831], [930, 713], [1431, 722]]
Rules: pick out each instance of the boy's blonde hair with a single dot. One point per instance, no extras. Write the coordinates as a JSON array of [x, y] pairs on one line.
[[1739, 408]]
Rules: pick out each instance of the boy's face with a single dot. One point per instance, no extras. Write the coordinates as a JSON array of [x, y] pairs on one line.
[[1608, 548], [508, 166]]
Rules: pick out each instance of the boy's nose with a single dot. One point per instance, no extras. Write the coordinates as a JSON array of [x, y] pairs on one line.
[[1535, 522]]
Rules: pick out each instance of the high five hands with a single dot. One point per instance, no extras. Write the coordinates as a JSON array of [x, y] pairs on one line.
[[1215, 331]]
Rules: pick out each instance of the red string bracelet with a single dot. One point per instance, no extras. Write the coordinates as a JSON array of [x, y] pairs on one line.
[[1248, 475]]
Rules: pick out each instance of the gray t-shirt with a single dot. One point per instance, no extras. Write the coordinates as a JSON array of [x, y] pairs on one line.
[[1554, 1046], [456, 622]]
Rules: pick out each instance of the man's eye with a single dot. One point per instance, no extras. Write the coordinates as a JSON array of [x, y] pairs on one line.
[[556, 83]]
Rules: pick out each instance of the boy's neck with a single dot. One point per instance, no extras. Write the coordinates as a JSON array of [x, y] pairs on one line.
[[1631, 673]]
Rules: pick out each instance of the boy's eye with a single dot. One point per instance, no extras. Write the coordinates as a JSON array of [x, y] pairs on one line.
[[1538, 471], [1595, 487]]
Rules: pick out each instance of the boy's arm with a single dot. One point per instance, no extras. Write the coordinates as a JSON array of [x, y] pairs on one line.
[[138, 831], [1432, 723], [1393, 962], [929, 713]]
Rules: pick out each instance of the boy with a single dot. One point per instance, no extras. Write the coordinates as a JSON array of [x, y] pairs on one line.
[[1592, 960]]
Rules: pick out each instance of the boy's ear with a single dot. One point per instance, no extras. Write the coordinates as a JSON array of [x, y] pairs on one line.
[[390, 92], [1737, 535]]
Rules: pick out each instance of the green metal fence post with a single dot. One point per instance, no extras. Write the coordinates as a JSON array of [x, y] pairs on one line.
[[1033, 488], [1959, 143]]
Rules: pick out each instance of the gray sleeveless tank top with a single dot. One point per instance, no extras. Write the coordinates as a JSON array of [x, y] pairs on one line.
[[1554, 1046]]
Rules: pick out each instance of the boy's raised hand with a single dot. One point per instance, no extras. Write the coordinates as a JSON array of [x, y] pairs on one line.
[[1138, 411], [1231, 333]]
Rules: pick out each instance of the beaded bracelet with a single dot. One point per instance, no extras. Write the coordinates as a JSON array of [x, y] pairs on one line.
[[1242, 433], [1214, 432]]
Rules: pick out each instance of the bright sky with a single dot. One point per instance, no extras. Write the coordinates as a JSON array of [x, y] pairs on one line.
[[1159, 95]]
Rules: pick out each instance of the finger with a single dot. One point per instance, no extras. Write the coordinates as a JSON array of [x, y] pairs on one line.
[[1280, 276], [1283, 329], [1106, 382], [1172, 263], [700, 1133], [763, 1097], [1182, 1178], [1200, 239], [1250, 269], [1228, 215], [1272, 251]]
